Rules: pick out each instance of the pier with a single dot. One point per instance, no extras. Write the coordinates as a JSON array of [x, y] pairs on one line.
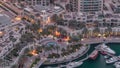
[[77, 61]]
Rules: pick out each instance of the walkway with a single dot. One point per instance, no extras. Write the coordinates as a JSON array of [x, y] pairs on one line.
[[83, 59], [40, 63], [20, 54], [72, 58], [100, 40]]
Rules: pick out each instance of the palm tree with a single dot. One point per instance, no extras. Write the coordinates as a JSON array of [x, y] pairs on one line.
[[63, 51], [57, 47], [85, 32], [72, 23], [55, 18], [39, 48], [51, 47], [91, 31], [96, 31], [97, 24], [80, 25], [80, 37], [43, 49], [26, 50], [75, 38], [108, 30]]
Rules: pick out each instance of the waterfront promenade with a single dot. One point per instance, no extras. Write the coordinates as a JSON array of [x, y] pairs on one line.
[[40, 63], [101, 40], [85, 41], [92, 41], [71, 57]]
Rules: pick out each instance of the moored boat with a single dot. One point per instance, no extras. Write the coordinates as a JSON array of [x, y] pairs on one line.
[[106, 56], [103, 52], [105, 49], [112, 60], [73, 64], [93, 55], [117, 65]]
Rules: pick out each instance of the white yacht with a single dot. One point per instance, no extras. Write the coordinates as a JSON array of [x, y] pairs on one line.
[[106, 57], [105, 48], [117, 65], [112, 60], [73, 64]]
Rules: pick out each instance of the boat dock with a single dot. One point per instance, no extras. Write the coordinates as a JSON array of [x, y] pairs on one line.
[[77, 61]]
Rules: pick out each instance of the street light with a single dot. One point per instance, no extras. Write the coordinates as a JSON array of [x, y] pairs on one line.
[[99, 35], [34, 53], [1, 33], [57, 33], [67, 39], [82, 39], [18, 18], [40, 30]]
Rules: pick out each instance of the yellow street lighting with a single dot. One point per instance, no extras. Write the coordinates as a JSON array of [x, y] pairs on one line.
[[18, 18], [57, 33], [40, 30], [34, 53], [1, 33], [82, 39], [67, 39], [103, 34], [32, 21], [104, 37], [99, 34]]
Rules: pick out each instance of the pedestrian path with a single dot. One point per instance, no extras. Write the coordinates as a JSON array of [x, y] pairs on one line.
[[40, 63]]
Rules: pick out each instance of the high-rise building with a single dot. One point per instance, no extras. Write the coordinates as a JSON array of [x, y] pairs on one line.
[[91, 5], [74, 5], [86, 5]]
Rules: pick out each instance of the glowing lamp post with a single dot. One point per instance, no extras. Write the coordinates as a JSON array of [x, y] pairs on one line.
[[67, 39], [40, 30], [57, 33], [1, 33], [99, 35], [34, 53], [82, 39], [18, 18]]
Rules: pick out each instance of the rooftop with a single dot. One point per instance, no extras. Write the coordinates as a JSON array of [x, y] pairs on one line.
[[4, 20]]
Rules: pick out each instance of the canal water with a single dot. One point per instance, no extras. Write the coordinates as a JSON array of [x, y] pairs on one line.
[[100, 61]]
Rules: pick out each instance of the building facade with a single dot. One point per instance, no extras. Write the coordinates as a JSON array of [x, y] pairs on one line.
[[74, 5], [39, 2], [91, 5], [86, 5]]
